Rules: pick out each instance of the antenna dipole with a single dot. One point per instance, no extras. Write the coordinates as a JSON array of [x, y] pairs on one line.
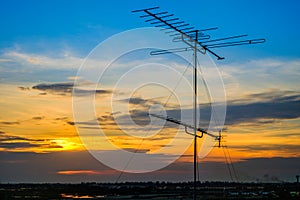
[[197, 41]]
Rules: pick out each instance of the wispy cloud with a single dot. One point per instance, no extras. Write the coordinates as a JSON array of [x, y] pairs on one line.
[[3, 60], [20, 66], [259, 75], [65, 61], [264, 67]]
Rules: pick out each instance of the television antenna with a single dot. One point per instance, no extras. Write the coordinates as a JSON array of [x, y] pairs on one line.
[[196, 41]]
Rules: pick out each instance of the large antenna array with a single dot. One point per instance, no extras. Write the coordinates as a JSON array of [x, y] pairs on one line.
[[181, 31], [197, 41]]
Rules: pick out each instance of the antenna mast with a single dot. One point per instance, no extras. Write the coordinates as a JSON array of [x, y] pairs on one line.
[[195, 113], [196, 40]]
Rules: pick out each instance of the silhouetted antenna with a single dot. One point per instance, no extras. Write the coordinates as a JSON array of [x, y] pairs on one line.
[[197, 40], [181, 31]]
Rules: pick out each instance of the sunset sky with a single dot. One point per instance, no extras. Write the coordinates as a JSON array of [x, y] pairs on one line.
[[44, 43]]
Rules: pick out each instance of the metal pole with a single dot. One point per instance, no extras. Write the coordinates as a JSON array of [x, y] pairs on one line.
[[195, 115]]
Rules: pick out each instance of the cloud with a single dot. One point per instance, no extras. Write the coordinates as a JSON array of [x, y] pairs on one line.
[[259, 108], [285, 134], [26, 146], [38, 118], [4, 138], [268, 95], [55, 87], [268, 105], [269, 147], [139, 109], [140, 101], [67, 89], [137, 150], [139, 117], [61, 118], [147, 103], [137, 120], [24, 88], [87, 124], [17, 143], [9, 123]]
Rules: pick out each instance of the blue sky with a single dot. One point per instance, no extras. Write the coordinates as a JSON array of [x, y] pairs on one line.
[[72, 24], [59, 29], [46, 41]]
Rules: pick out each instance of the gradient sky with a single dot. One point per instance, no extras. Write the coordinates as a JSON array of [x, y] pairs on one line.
[[45, 42]]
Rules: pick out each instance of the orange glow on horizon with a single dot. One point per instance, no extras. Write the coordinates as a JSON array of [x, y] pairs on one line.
[[43, 123], [84, 172]]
